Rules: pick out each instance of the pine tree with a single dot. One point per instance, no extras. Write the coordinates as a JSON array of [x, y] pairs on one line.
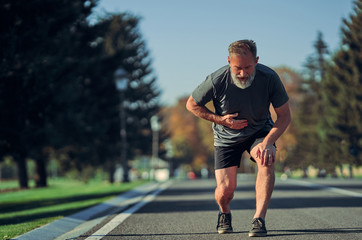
[[57, 88], [342, 95], [125, 46], [92, 125], [33, 37], [306, 151]]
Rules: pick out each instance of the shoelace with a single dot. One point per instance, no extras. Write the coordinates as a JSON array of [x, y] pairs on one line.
[[257, 223], [224, 220]]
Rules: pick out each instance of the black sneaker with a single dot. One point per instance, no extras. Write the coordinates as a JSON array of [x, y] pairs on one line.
[[258, 229], [224, 223]]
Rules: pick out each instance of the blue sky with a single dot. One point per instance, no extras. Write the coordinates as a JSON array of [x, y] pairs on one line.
[[188, 39]]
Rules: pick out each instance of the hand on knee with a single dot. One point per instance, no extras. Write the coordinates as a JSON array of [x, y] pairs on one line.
[[264, 155]]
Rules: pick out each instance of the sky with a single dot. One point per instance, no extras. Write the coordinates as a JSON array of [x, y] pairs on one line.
[[188, 39]]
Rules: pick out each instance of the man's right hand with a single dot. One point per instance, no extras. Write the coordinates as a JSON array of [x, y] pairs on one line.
[[229, 121], [226, 120]]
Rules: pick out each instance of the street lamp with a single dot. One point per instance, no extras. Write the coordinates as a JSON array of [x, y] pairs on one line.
[[155, 126], [169, 155], [122, 83]]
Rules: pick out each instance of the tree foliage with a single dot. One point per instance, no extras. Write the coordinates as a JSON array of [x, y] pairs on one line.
[[292, 81], [33, 36], [342, 96], [306, 120], [57, 88], [191, 137], [328, 121]]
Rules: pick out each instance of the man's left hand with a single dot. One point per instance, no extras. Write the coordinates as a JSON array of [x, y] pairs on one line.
[[266, 153]]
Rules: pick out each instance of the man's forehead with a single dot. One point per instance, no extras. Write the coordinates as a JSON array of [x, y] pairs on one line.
[[241, 59]]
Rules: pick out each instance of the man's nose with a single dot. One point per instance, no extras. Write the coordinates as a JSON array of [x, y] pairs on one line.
[[242, 73]]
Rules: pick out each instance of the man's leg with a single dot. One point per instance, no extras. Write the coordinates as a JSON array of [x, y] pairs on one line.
[[264, 187], [224, 193], [225, 186]]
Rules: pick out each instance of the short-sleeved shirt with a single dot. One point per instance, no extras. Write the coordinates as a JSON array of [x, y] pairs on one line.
[[251, 103]]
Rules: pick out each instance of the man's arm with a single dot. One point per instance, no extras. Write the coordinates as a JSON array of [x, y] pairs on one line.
[[226, 120], [266, 151], [280, 125]]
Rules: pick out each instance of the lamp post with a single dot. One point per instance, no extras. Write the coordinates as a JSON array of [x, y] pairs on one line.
[[121, 83], [169, 155], [155, 126]]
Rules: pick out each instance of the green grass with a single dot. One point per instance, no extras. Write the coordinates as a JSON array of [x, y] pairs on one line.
[[24, 210]]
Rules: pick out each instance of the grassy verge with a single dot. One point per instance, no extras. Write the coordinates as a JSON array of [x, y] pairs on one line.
[[22, 211]]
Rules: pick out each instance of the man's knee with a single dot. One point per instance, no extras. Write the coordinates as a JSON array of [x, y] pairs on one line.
[[226, 180], [257, 156], [226, 189]]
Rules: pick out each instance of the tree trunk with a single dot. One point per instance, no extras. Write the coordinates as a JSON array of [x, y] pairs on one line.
[[341, 169], [125, 172], [350, 168], [41, 173], [22, 172], [305, 172], [111, 170]]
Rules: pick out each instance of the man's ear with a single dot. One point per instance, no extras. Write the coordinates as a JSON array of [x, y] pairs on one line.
[[229, 60], [256, 60]]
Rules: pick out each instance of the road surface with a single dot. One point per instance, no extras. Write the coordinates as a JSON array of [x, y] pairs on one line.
[[309, 209]]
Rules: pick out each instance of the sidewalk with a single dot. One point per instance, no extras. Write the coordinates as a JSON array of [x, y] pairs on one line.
[[76, 224]]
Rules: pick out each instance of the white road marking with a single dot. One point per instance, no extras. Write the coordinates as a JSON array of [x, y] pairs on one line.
[[117, 220], [77, 224], [324, 187]]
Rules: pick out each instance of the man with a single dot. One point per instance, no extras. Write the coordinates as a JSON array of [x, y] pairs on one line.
[[241, 93]]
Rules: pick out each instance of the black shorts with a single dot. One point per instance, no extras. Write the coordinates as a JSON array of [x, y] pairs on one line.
[[231, 156]]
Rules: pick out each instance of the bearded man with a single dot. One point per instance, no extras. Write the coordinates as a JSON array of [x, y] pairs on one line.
[[242, 92]]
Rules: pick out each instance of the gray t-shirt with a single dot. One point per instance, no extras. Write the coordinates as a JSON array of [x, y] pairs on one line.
[[251, 103]]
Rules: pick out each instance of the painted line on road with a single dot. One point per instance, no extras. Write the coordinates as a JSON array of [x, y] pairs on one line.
[[76, 224], [328, 188], [117, 220]]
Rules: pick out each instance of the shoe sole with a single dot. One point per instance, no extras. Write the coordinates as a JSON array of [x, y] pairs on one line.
[[257, 234], [224, 231]]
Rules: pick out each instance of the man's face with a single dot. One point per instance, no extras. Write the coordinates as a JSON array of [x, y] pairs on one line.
[[242, 66]]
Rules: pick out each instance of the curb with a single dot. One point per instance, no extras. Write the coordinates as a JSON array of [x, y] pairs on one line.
[[78, 223]]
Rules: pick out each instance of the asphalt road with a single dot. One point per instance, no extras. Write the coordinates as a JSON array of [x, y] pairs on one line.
[[319, 209]]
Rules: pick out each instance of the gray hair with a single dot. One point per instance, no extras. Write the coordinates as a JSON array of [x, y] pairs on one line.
[[240, 47]]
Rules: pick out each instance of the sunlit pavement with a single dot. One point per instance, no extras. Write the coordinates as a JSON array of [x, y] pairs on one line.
[[300, 209]]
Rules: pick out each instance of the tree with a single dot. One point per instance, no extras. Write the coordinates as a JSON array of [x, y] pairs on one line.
[[342, 98], [292, 81], [191, 136], [33, 35], [114, 43], [57, 89], [306, 151]]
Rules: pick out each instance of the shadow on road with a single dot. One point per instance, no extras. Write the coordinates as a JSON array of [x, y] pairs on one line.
[[196, 197], [294, 232], [165, 234], [191, 187], [271, 233], [314, 202], [249, 204]]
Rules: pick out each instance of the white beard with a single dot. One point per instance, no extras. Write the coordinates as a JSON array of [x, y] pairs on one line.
[[242, 84]]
